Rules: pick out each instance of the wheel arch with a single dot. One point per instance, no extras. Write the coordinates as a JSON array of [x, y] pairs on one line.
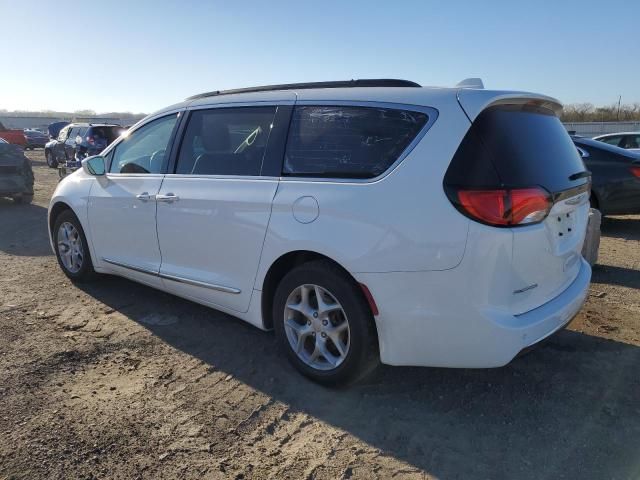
[[55, 210], [58, 207], [284, 264]]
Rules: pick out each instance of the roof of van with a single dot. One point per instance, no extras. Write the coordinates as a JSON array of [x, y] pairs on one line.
[[469, 93]]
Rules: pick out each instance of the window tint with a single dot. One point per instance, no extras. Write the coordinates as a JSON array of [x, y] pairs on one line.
[[145, 149], [630, 141], [226, 141], [516, 146], [105, 134], [612, 140], [348, 142]]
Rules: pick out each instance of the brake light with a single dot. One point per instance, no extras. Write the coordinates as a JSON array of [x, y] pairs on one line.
[[505, 207], [635, 171]]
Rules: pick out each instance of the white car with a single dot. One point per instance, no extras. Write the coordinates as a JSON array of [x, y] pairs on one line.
[[363, 221], [626, 140]]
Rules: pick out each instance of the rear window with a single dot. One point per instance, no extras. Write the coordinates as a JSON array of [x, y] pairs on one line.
[[516, 146], [348, 142]]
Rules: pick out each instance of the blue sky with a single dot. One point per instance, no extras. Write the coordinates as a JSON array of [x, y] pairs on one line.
[[142, 55]]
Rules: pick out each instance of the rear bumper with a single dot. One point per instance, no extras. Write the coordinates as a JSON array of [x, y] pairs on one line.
[[425, 320], [12, 184]]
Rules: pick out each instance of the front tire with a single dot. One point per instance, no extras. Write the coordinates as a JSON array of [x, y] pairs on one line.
[[72, 249], [50, 160], [324, 325]]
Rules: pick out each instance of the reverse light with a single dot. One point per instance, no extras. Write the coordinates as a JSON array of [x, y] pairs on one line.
[[505, 207]]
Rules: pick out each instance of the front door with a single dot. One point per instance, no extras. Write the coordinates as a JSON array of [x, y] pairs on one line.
[[122, 205], [214, 210]]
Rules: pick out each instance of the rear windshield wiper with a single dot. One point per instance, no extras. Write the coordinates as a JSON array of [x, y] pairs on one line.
[[578, 175]]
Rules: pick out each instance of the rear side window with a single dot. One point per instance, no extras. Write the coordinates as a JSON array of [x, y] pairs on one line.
[[516, 146], [105, 134], [226, 141], [347, 141]]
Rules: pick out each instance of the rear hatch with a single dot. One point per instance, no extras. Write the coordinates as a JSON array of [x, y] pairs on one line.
[[517, 168]]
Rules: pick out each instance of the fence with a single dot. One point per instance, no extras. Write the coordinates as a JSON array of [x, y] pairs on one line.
[[593, 129]]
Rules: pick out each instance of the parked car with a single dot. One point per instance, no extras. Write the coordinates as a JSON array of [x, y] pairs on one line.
[[16, 174], [79, 140], [15, 137], [616, 176], [362, 221], [626, 140], [35, 139]]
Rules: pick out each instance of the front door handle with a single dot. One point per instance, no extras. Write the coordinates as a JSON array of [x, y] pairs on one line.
[[168, 198], [144, 196]]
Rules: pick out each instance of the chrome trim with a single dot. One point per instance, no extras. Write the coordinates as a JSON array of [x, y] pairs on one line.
[[198, 283], [166, 276], [130, 267], [526, 289]]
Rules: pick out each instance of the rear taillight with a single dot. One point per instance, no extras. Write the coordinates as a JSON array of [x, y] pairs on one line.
[[635, 171], [505, 207]]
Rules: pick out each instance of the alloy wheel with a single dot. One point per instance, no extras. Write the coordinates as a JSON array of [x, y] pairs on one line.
[[317, 327], [70, 247]]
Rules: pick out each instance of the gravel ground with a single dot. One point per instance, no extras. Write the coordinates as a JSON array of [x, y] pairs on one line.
[[115, 380]]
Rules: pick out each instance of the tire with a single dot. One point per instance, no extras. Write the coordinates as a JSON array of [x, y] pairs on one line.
[[50, 161], [359, 341], [80, 270], [23, 199]]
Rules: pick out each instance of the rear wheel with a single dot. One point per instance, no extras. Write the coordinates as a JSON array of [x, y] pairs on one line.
[[324, 325], [72, 250]]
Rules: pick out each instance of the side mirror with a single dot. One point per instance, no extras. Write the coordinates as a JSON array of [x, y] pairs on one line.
[[94, 165]]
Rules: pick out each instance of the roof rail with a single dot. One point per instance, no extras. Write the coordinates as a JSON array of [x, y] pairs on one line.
[[366, 82]]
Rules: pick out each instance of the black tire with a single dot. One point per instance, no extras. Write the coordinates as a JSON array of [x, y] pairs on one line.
[[23, 199], [362, 356], [86, 272], [50, 160]]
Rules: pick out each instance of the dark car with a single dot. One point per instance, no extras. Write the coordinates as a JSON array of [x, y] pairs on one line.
[[615, 176], [35, 139], [16, 175], [79, 140]]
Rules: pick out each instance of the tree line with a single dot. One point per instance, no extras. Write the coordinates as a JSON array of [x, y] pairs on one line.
[[587, 112]]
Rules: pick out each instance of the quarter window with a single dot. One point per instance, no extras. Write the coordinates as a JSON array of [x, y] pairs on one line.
[[145, 150], [226, 141], [348, 142]]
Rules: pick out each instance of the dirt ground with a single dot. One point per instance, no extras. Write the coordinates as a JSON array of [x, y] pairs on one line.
[[116, 380]]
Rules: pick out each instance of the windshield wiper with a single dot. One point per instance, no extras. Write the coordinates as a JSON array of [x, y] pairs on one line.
[[579, 175]]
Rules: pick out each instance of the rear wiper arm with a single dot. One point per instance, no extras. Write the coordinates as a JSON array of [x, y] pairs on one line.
[[578, 175]]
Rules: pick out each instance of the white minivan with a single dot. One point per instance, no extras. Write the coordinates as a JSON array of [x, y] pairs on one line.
[[363, 221]]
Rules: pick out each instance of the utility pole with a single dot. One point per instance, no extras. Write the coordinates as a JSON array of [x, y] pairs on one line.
[[619, 100]]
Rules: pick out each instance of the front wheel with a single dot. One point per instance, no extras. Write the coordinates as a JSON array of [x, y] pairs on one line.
[[50, 160], [72, 250], [324, 325]]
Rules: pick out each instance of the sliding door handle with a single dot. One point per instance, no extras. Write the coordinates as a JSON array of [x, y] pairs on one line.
[[168, 198]]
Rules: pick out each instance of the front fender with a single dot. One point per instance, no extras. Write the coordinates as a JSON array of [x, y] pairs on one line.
[[73, 191]]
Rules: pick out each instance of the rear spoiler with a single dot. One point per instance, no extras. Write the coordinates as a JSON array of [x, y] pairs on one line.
[[474, 101]]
